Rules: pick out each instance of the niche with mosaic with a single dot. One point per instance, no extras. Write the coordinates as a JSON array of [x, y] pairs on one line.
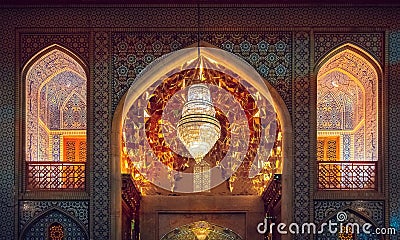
[[347, 121], [55, 130]]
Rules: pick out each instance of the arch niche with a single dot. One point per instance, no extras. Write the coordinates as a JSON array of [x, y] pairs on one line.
[[39, 226], [165, 65], [55, 116], [348, 118]]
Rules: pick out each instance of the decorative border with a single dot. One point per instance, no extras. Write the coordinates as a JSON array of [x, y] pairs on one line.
[[374, 210], [394, 130], [31, 43], [100, 178], [8, 134], [147, 18], [270, 53], [301, 128], [31, 209], [37, 229], [224, 16], [371, 42]]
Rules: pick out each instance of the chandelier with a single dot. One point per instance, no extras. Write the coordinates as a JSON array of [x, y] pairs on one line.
[[198, 129]]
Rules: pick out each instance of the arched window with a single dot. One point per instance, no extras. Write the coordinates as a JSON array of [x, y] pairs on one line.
[[55, 232], [347, 121], [55, 120]]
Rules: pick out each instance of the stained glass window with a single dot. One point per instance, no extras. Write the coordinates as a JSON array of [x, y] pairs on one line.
[[55, 123]]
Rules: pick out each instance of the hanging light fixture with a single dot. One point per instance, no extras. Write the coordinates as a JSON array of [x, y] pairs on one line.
[[198, 129]]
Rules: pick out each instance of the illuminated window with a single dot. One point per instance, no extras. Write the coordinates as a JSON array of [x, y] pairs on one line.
[[328, 149], [74, 149], [56, 232], [347, 121], [55, 122]]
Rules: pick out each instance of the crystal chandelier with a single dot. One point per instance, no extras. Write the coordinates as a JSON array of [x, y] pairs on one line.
[[198, 129]]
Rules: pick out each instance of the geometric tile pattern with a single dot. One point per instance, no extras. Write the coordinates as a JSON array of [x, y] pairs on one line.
[[185, 17], [373, 43], [394, 129], [355, 65], [51, 82], [357, 212], [289, 16], [301, 128], [353, 218], [132, 52], [39, 228], [30, 44], [269, 53], [33, 43], [57, 95], [332, 100], [374, 210], [100, 182], [7, 129], [31, 209], [68, 19]]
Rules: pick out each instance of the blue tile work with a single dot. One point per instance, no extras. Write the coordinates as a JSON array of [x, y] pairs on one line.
[[38, 229], [29, 210], [373, 210], [301, 129], [269, 53], [355, 212], [7, 128], [69, 19], [100, 179], [394, 130], [370, 42]]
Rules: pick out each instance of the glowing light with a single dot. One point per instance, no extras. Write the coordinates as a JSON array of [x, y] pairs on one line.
[[198, 129], [201, 230]]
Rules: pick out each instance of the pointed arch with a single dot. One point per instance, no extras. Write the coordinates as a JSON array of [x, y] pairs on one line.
[[345, 215], [157, 69], [48, 79], [78, 107], [353, 47], [352, 210], [49, 217], [49, 49], [353, 77]]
